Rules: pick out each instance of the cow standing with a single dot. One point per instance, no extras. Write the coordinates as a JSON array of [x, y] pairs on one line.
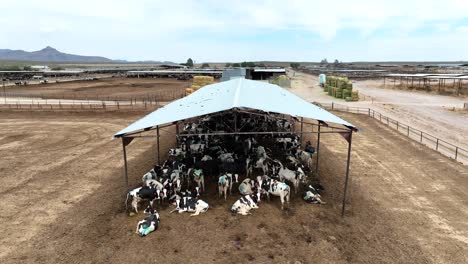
[[225, 182]]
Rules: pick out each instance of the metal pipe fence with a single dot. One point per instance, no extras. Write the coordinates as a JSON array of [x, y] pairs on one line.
[[149, 97], [81, 105], [442, 146]]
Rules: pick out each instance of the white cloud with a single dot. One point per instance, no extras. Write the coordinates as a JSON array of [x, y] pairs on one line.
[[150, 29]]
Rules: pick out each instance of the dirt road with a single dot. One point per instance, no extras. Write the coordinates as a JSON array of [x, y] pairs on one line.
[[62, 202], [432, 113]]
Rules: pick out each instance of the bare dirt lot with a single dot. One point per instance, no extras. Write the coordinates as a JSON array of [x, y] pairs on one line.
[[62, 194], [434, 114], [109, 88]]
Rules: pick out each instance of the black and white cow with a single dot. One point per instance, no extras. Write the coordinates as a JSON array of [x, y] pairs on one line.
[[141, 194], [277, 188], [245, 204], [251, 164], [197, 148], [178, 152], [295, 177], [225, 182], [246, 187], [149, 224], [198, 177], [191, 205], [304, 157], [311, 195]]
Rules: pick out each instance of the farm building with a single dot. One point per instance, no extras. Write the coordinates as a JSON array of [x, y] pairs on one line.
[[238, 101], [265, 73]]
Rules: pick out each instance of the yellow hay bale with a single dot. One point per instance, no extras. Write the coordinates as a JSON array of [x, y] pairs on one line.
[[188, 90]]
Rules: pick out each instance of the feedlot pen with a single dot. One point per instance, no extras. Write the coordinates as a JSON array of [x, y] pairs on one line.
[[408, 203]]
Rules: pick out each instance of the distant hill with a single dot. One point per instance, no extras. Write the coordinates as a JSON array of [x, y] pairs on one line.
[[47, 54]]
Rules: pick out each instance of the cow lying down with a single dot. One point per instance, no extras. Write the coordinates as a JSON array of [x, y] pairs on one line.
[[149, 224], [245, 204], [311, 195], [191, 205]]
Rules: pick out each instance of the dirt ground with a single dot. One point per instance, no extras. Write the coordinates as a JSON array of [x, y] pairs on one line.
[[435, 114], [104, 89], [62, 193]]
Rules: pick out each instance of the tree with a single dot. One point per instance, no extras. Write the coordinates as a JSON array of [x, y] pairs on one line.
[[251, 64], [324, 61], [189, 62], [227, 65], [235, 65], [58, 68], [336, 62], [295, 65], [205, 65]]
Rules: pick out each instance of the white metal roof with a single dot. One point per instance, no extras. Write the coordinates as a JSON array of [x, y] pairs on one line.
[[236, 93], [269, 70], [177, 71]]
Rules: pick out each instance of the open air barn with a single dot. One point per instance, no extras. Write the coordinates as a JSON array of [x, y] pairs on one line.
[[238, 99], [264, 73], [448, 83]]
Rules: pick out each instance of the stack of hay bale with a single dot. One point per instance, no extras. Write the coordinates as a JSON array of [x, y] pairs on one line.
[[282, 81], [198, 82], [340, 87]]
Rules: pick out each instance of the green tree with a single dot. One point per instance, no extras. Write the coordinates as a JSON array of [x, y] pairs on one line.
[[295, 65], [235, 65], [227, 65], [324, 61], [27, 68], [58, 68], [205, 65], [189, 62]]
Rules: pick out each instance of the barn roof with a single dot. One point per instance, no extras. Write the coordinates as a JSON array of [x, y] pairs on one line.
[[237, 93]]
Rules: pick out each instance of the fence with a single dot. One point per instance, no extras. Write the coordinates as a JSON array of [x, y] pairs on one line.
[[448, 149], [158, 96], [81, 105]]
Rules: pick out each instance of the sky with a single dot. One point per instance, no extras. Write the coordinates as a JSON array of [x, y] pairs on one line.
[[232, 31]]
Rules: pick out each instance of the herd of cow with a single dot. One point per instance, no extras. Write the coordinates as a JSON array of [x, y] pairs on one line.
[[180, 180]]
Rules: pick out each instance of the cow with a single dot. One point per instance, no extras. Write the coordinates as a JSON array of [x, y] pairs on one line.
[[246, 187], [245, 204], [177, 152], [197, 148], [261, 163], [154, 184], [140, 194], [225, 182], [304, 157], [295, 177], [149, 224], [198, 177], [312, 195], [277, 188], [190, 204]]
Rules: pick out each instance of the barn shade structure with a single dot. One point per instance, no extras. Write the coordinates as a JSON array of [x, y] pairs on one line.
[[240, 96]]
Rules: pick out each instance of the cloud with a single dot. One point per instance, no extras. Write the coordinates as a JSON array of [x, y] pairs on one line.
[[151, 29]]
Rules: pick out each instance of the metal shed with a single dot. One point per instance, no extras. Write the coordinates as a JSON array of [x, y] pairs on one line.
[[240, 96]]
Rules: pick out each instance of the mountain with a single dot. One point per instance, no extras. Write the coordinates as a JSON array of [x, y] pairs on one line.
[[47, 54]]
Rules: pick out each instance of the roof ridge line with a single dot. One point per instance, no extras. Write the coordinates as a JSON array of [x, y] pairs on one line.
[[237, 94]]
